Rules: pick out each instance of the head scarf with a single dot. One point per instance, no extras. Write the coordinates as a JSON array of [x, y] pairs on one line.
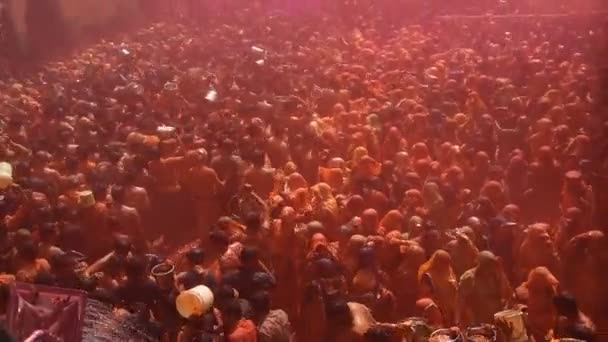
[[517, 168], [369, 219], [301, 199], [334, 177], [486, 260], [368, 167], [420, 151], [393, 220], [511, 212], [324, 198], [413, 255], [494, 191], [296, 181], [439, 268], [540, 280], [355, 205], [413, 197], [358, 153]]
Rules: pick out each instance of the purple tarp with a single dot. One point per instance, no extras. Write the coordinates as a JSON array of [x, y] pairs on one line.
[[56, 310]]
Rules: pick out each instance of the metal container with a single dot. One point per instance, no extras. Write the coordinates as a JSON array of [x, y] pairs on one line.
[[482, 333], [514, 318], [448, 333], [164, 274], [86, 199], [420, 330]]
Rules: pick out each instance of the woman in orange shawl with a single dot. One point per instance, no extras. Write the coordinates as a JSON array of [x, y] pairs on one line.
[[333, 176], [393, 220], [537, 250], [325, 207], [357, 154], [412, 204], [444, 289], [323, 198], [366, 168], [434, 203], [393, 143], [296, 181], [300, 200], [538, 292]]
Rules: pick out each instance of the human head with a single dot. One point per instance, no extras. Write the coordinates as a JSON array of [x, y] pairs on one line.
[[487, 263], [136, 267], [122, 245], [369, 220], [223, 295], [118, 194], [48, 232], [253, 221], [28, 251], [441, 261], [339, 314], [232, 313], [249, 257], [218, 241], [195, 256], [260, 303]]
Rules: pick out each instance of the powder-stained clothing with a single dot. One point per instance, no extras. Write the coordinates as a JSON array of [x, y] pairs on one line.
[[243, 332], [275, 327], [484, 296]]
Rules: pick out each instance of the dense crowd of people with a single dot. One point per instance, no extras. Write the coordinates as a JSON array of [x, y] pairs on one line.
[[327, 181]]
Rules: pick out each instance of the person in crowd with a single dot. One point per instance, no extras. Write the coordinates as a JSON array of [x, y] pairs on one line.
[[236, 328], [438, 281], [571, 322], [194, 273], [272, 325], [483, 291], [316, 172]]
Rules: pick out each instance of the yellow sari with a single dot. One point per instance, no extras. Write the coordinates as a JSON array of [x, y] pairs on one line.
[[445, 288]]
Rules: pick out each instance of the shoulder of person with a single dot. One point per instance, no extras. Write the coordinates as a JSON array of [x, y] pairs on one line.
[[467, 278], [139, 190], [129, 210]]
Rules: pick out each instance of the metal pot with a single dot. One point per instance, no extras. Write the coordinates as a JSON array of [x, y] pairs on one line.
[[487, 331], [450, 333], [164, 274], [420, 330]]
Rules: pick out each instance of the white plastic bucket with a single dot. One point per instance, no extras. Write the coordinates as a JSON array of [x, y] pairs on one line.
[[194, 302], [6, 175]]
